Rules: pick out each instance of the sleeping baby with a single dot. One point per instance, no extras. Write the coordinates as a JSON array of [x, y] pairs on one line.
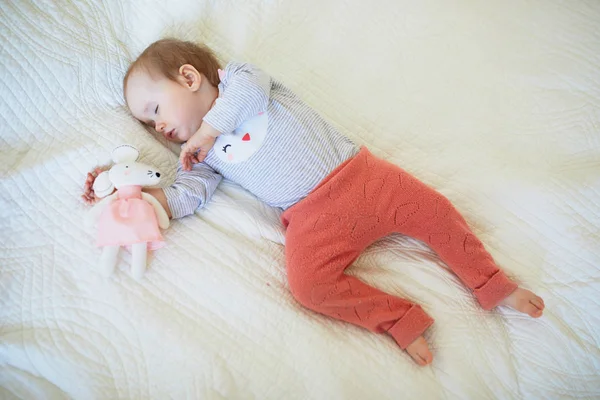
[[337, 198]]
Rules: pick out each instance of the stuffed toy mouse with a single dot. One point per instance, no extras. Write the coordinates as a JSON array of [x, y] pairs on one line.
[[127, 217]]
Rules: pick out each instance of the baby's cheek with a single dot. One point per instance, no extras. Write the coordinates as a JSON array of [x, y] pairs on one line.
[[186, 113]]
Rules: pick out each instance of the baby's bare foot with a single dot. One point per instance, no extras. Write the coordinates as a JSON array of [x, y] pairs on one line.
[[525, 301], [419, 351]]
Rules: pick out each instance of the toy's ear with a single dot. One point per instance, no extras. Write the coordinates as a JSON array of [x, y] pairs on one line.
[[102, 185], [125, 153]]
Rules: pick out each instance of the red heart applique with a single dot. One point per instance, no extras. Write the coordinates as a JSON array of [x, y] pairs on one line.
[[246, 137]]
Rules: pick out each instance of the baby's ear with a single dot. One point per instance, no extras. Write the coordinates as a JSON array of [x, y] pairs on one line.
[[190, 76], [125, 153], [102, 185]]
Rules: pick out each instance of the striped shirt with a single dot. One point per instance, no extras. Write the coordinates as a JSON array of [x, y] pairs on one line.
[[272, 144]]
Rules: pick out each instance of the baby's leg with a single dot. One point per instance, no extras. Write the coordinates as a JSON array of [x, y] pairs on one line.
[[316, 260], [326, 232], [425, 214]]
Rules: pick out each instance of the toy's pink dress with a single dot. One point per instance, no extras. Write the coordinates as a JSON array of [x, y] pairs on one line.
[[128, 220]]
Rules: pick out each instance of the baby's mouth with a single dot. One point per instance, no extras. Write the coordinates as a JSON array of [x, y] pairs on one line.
[[171, 134]]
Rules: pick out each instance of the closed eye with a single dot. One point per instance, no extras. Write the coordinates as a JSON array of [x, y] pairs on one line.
[[156, 109], [225, 148]]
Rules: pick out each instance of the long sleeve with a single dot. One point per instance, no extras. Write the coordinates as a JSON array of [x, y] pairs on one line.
[[191, 189], [244, 92]]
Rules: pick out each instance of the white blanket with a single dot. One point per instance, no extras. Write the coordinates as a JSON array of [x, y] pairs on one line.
[[495, 104]]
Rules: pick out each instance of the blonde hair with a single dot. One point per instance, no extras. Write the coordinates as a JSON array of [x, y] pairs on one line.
[[166, 56]]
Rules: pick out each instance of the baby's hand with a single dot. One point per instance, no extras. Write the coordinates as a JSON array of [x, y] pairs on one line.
[[88, 195], [195, 150], [198, 146]]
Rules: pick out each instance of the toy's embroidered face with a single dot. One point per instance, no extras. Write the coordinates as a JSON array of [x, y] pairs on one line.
[[133, 173], [242, 143], [125, 172]]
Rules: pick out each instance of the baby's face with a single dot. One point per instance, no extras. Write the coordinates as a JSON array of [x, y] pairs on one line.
[[170, 107]]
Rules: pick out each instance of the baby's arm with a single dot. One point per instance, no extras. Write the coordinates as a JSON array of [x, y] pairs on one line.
[[191, 190], [245, 93], [197, 147]]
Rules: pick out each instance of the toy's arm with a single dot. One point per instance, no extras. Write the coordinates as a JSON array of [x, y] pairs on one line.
[[159, 194], [94, 213], [161, 214]]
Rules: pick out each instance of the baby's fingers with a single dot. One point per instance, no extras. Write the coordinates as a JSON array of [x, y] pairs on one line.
[[87, 186], [89, 180], [88, 199], [182, 156], [202, 153], [183, 159], [91, 177], [185, 162]]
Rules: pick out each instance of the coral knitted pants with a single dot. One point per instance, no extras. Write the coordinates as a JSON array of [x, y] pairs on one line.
[[361, 201]]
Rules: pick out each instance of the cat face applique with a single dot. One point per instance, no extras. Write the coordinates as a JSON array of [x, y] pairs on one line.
[[242, 143]]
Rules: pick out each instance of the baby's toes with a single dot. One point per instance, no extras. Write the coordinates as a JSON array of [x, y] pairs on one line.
[[533, 308], [539, 302], [426, 356], [419, 359], [420, 352]]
